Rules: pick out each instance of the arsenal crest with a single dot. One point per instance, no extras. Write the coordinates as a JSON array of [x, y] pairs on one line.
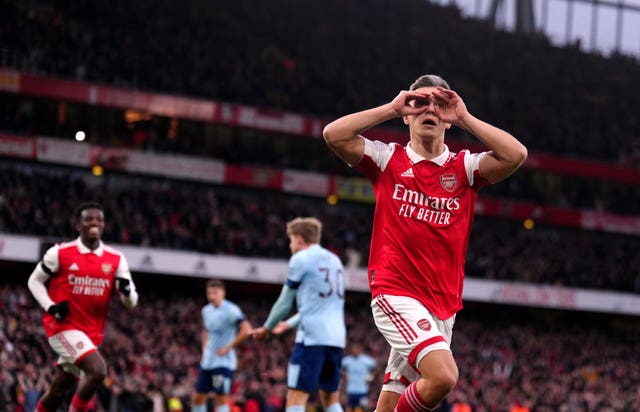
[[424, 324], [449, 182], [107, 268]]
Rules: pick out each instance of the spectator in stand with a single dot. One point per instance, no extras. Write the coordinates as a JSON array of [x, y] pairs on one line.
[[599, 375], [74, 283], [168, 214], [273, 73], [32, 385]]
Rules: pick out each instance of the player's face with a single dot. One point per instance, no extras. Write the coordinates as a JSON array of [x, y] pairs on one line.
[[91, 224], [295, 243], [215, 295], [356, 349], [427, 123]]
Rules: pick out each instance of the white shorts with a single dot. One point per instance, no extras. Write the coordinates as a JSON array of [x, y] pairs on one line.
[[71, 347], [413, 332]]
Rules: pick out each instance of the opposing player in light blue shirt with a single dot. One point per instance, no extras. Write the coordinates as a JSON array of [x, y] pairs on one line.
[[225, 327], [358, 368], [316, 282]]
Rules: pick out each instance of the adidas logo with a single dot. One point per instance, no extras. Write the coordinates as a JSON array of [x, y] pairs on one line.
[[407, 173], [74, 266]]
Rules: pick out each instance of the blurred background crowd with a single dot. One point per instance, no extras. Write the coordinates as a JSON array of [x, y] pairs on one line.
[[224, 220], [332, 58], [545, 361]]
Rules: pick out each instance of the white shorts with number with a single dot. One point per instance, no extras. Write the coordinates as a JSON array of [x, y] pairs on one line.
[[413, 332], [71, 346]]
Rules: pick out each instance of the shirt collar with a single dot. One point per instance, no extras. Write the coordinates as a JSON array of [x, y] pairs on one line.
[[85, 250], [440, 160]]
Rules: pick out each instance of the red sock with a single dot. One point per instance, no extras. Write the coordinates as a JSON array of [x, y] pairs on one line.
[[78, 404], [410, 401], [40, 408]]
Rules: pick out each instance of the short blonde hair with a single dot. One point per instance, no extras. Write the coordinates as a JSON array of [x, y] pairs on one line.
[[309, 228]]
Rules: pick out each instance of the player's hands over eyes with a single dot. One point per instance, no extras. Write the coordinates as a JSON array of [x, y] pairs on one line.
[[453, 110], [401, 104], [260, 333]]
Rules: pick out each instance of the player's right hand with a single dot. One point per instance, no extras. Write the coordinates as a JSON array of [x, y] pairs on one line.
[[260, 333], [59, 310], [401, 104]]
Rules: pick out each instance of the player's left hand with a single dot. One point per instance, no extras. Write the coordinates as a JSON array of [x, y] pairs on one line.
[[401, 104], [280, 328], [454, 110], [260, 333], [124, 286]]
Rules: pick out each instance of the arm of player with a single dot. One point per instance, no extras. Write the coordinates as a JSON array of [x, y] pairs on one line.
[[41, 274], [294, 321], [343, 135], [244, 331], [507, 153], [285, 325], [46, 268], [125, 285], [279, 310], [36, 284]]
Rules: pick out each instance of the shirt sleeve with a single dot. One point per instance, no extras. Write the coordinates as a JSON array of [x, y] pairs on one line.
[[375, 159], [50, 261], [123, 272], [379, 152], [297, 269], [236, 313], [46, 268], [294, 320], [471, 164]]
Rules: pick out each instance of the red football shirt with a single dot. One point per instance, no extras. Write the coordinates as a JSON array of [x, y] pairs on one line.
[[86, 280], [422, 222]]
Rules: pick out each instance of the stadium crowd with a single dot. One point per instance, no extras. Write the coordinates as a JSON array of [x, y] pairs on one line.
[[312, 60], [170, 214], [28, 116], [153, 353]]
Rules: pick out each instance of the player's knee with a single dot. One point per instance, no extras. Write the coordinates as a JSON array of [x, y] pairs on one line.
[[94, 367], [97, 376], [447, 384], [444, 381], [198, 398], [97, 373]]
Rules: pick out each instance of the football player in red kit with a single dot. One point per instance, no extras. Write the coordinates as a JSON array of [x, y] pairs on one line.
[[74, 283], [425, 204]]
